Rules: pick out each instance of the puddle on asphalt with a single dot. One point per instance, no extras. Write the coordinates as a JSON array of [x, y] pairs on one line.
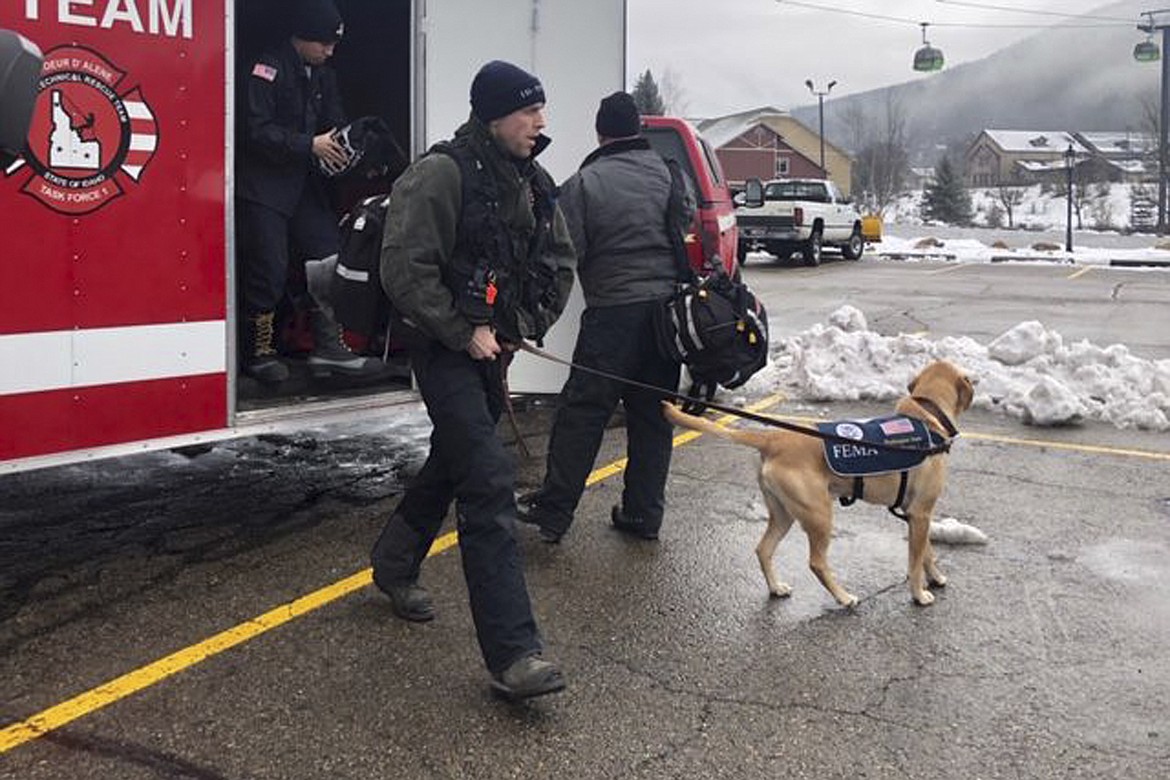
[[1129, 561]]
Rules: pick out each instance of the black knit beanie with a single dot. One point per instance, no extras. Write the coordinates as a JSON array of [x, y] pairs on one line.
[[617, 117], [501, 88], [318, 21]]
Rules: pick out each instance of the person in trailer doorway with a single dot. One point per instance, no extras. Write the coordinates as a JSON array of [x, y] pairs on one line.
[[476, 257], [619, 210], [293, 105]]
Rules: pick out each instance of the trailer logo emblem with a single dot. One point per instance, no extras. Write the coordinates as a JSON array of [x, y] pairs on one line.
[[88, 141]]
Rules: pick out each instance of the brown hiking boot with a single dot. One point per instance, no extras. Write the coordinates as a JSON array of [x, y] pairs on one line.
[[260, 359]]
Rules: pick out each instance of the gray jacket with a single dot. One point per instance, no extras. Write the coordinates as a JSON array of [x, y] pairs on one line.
[[615, 207]]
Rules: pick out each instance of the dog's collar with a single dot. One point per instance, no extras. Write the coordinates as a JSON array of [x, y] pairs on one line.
[[938, 414]]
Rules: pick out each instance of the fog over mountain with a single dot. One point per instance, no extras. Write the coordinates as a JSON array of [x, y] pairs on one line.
[[1060, 78]]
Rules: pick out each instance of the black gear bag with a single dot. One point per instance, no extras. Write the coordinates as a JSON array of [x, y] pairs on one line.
[[359, 303], [712, 324]]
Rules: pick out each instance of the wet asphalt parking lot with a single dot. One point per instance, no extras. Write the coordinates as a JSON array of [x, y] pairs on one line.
[[1045, 657]]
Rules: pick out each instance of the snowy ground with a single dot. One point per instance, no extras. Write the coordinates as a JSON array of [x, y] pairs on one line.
[[1104, 207]]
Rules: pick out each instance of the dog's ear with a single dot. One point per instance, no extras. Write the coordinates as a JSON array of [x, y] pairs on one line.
[[913, 383], [966, 390]]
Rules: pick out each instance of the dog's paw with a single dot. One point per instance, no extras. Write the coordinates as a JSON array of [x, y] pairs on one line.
[[924, 599], [781, 591], [938, 580], [849, 601]]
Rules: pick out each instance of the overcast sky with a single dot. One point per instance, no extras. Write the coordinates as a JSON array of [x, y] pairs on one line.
[[731, 55]]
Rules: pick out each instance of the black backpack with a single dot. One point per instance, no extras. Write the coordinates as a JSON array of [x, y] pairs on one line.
[[712, 324], [358, 300]]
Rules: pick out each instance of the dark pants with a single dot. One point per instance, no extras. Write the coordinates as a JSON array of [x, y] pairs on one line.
[[618, 340], [268, 237], [468, 464]]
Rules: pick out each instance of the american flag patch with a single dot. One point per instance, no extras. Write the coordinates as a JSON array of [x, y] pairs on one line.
[[896, 426], [266, 72]]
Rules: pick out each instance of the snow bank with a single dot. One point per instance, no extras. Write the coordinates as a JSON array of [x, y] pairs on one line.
[[1027, 372]]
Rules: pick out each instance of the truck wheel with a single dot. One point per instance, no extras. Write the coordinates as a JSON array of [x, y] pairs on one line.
[[812, 249], [853, 248]]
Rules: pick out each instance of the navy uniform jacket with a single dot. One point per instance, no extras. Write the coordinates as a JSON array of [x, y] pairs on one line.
[[287, 104]]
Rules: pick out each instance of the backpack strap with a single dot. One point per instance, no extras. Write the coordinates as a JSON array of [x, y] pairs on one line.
[[675, 207]]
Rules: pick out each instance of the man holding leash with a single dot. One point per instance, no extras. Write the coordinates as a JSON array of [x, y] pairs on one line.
[[616, 206], [476, 257]]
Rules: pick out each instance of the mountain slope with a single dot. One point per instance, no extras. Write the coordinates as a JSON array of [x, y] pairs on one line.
[[1063, 78]]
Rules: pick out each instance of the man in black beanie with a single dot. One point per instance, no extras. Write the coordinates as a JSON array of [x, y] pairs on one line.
[[619, 208], [475, 258], [293, 107]]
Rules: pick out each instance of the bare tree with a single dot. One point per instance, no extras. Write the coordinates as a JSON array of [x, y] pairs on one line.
[[674, 95], [882, 160], [856, 123], [1009, 198]]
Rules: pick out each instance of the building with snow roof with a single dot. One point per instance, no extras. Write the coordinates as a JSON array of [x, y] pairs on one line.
[[1020, 157], [767, 143]]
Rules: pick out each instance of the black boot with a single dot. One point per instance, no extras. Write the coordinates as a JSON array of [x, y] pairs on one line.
[[260, 359]]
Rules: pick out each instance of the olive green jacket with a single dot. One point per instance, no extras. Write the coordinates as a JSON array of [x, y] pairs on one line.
[[422, 225]]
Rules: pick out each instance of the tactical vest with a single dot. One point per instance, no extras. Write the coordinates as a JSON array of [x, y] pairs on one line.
[[496, 273]]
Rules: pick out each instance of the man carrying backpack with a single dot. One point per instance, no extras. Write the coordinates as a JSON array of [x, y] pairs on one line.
[[618, 207], [476, 257]]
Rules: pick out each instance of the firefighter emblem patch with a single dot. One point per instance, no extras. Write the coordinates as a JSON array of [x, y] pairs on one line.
[[91, 135]]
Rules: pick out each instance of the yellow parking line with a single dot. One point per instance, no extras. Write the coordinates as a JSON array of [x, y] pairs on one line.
[[1082, 272], [948, 269], [17, 734], [1060, 445], [55, 717]]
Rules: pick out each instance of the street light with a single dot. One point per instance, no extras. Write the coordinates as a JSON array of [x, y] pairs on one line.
[[1070, 158], [821, 112]]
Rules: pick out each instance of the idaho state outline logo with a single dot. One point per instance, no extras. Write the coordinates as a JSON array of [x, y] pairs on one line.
[[84, 132]]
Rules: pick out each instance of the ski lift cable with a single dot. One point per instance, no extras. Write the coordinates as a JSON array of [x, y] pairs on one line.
[[962, 25], [1032, 11]]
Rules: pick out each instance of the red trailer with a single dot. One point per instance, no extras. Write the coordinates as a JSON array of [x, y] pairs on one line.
[[117, 248]]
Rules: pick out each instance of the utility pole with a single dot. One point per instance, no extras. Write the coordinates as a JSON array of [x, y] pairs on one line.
[[821, 112], [1164, 122], [1070, 159]]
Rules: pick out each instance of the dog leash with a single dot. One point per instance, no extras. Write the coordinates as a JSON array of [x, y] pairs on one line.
[[744, 414]]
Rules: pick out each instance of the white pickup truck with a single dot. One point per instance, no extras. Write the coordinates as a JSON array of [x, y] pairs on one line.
[[799, 215]]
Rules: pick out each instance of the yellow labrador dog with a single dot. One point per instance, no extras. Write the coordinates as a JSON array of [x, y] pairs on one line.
[[798, 484]]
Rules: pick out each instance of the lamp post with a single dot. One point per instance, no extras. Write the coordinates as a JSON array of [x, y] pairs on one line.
[[1070, 158], [821, 113]]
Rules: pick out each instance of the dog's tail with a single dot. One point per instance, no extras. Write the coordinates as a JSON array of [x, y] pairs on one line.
[[756, 439]]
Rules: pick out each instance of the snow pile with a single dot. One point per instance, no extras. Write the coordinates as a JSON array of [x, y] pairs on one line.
[[1027, 372], [971, 250]]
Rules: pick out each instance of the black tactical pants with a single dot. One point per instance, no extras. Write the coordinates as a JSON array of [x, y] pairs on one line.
[[269, 237], [468, 464], [618, 340]]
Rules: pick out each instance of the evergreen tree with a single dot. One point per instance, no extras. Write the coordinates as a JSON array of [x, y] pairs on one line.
[[946, 198], [647, 97]]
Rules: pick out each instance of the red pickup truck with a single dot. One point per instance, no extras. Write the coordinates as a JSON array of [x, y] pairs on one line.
[[715, 232]]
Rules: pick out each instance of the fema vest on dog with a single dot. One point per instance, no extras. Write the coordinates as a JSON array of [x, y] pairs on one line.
[[853, 460]]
